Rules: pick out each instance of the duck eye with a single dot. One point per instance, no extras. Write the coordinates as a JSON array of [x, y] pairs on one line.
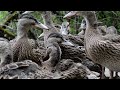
[[32, 23]]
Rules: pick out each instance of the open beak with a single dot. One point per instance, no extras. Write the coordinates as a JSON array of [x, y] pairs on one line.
[[41, 26], [71, 14], [66, 42]]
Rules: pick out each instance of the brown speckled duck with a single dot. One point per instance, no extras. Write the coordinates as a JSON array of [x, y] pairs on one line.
[[22, 50], [104, 30], [104, 50]]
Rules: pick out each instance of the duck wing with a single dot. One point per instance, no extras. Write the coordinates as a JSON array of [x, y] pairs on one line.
[[115, 39], [111, 43]]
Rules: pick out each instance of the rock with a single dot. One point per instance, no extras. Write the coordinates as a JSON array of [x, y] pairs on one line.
[[70, 52], [93, 76], [75, 39], [64, 64], [92, 66], [70, 70], [19, 70]]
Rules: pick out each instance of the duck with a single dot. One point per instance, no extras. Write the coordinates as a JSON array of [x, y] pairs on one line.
[[6, 56], [111, 30], [22, 49], [46, 15], [65, 28], [53, 52], [52, 39], [104, 50], [73, 39], [104, 30], [31, 35]]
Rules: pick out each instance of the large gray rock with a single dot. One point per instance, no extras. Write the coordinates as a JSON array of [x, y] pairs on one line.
[[19, 70], [30, 70]]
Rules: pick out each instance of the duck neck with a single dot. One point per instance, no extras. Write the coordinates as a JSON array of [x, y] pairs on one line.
[[82, 32], [91, 26], [46, 15], [22, 31], [64, 31], [47, 18]]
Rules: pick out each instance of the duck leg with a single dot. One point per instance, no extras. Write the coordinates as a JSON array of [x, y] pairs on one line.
[[116, 75], [102, 76], [111, 74]]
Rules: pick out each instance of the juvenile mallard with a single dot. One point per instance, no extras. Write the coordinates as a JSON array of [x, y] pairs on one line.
[[104, 30], [52, 40], [22, 50], [65, 28]]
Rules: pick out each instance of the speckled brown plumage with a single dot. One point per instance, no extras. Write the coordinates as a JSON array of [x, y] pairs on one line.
[[23, 51], [22, 48], [104, 50]]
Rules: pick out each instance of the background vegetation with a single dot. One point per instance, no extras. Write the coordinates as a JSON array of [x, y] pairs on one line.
[[109, 18]]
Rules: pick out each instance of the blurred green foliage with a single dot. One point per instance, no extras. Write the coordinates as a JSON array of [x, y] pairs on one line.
[[3, 15], [109, 18]]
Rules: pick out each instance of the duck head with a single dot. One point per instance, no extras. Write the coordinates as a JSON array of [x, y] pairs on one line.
[[83, 24], [29, 21], [111, 30], [60, 39]]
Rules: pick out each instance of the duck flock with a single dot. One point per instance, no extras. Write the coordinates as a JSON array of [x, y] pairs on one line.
[[93, 53]]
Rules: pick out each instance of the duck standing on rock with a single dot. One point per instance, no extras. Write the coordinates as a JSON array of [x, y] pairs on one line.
[[52, 39], [22, 50], [104, 50], [104, 30], [53, 53]]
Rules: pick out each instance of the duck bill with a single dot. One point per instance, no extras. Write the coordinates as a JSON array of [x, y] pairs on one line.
[[67, 43], [71, 14], [41, 26]]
